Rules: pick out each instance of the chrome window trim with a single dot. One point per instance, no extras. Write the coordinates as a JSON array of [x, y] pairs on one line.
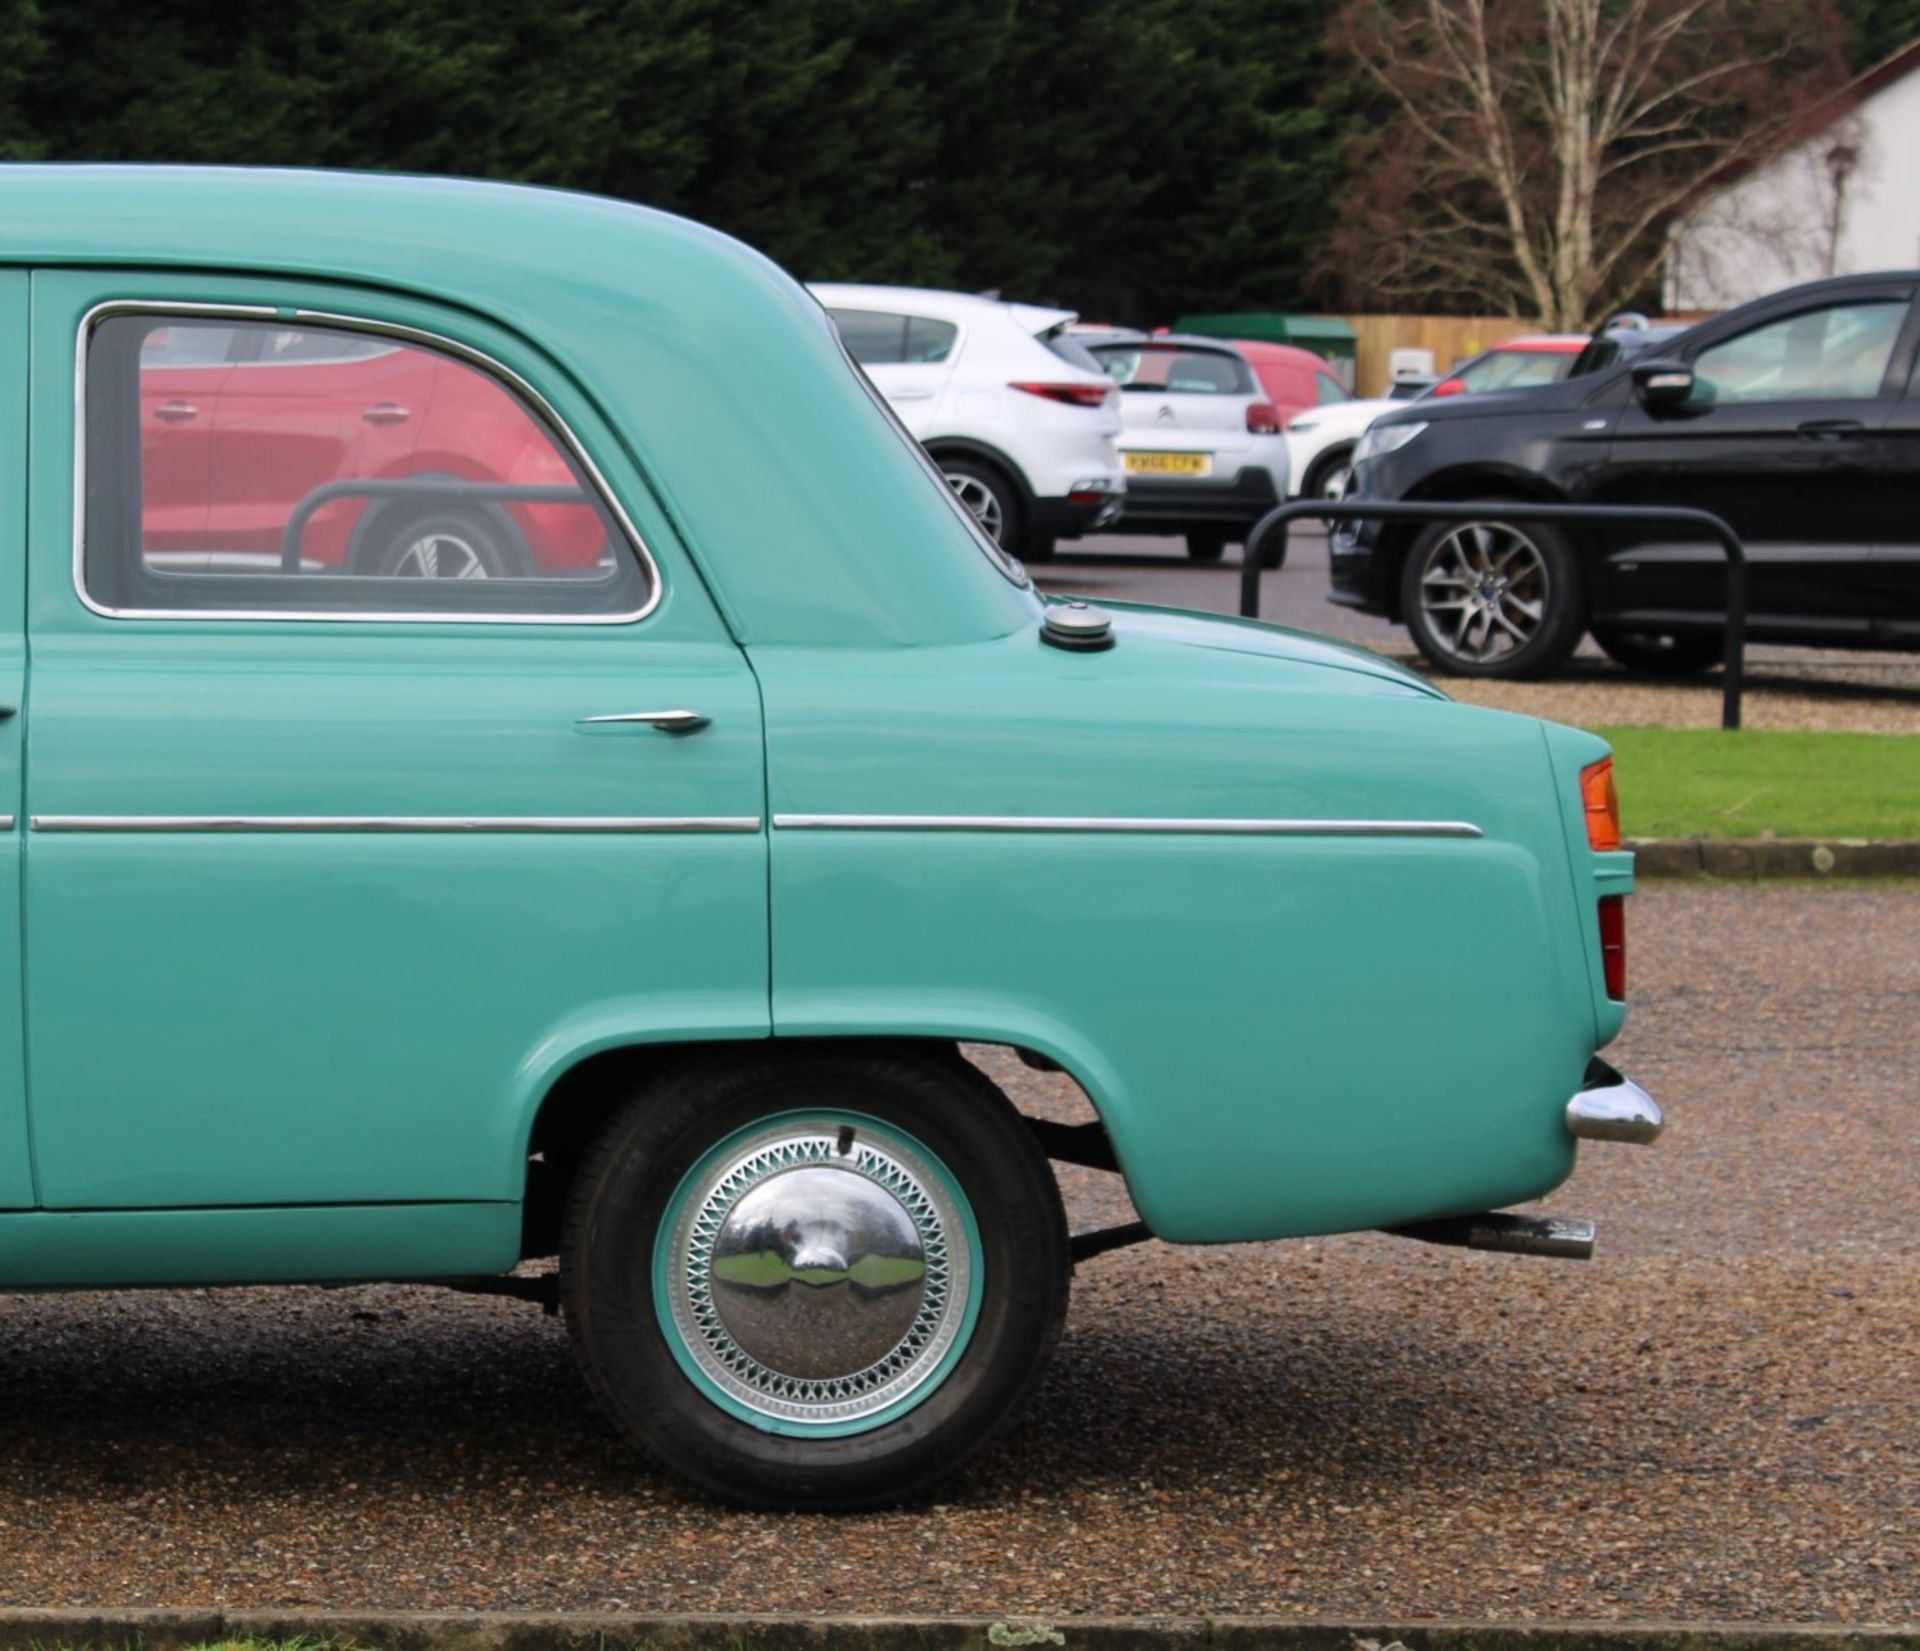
[[417, 335], [453, 824], [1121, 825]]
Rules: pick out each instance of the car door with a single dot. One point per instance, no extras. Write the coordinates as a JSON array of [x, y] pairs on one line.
[[16, 1163], [910, 359], [304, 407], [329, 876], [1783, 438], [182, 372], [1896, 555]]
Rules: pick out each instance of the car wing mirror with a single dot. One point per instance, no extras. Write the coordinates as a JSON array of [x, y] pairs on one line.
[[1662, 384]]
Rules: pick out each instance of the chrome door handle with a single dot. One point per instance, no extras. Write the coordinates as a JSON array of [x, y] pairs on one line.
[[668, 722], [387, 412], [176, 412]]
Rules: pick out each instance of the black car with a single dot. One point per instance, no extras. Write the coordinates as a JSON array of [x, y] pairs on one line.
[[1796, 418]]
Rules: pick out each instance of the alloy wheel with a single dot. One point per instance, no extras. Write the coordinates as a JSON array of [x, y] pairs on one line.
[[1484, 591], [439, 555], [981, 499]]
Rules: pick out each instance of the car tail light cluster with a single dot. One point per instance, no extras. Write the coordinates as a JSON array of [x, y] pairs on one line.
[[1263, 419], [1074, 395], [1449, 387], [1600, 802], [1602, 805]]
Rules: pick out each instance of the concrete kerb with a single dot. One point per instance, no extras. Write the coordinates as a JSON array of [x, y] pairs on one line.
[[1748, 859], [156, 1630]]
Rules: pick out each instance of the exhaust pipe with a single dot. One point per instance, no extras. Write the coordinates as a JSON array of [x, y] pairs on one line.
[[1549, 1235]]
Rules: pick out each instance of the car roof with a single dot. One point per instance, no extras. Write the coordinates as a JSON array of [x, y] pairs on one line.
[[1167, 341], [931, 301], [634, 314], [1567, 342], [1282, 355]]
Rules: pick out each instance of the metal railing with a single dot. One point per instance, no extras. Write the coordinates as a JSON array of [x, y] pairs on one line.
[[1703, 523], [447, 489]]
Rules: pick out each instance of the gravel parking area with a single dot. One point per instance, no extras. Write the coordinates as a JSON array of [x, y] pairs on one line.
[[1786, 687], [1717, 1418]]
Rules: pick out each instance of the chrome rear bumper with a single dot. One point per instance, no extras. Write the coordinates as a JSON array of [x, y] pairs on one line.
[[1612, 1108]]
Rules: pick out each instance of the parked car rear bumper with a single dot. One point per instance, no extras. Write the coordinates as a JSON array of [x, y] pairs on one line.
[[1076, 513], [1161, 506]]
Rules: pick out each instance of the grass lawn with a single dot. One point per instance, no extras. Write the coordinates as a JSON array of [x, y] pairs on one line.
[[1702, 782]]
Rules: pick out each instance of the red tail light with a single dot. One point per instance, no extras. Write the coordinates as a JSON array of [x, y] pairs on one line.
[[1450, 387], [1263, 419], [1074, 395], [1613, 944]]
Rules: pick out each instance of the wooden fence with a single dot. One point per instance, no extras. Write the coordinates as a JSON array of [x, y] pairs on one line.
[[1450, 337]]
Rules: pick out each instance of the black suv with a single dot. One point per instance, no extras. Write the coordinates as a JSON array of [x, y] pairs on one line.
[[1796, 418]]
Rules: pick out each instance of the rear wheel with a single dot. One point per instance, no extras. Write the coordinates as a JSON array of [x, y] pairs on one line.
[[1331, 475], [441, 544], [994, 501], [816, 1279], [1657, 655], [1493, 598]]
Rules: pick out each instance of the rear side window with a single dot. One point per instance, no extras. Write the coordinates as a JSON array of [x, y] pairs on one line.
[[1173, 370], [1327, 390], [332, 473]]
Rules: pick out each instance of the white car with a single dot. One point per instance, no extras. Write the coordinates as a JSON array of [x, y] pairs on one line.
[[1202, 444], [1323, 439], [1020, 419]]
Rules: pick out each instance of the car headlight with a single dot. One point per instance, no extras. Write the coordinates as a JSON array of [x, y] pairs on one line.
[[1382, 439]]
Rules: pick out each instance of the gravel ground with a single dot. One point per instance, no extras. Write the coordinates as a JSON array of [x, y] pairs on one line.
[[1786, 687], [1717, 1418]]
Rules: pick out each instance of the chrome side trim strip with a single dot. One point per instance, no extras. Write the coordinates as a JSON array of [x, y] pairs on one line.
[[391, 329], [398, 823], [1120, 825], [6, 822]]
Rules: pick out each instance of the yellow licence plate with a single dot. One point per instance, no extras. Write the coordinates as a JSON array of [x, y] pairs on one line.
[[1169, 464]]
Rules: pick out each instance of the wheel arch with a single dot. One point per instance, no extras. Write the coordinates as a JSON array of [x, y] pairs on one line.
[[571, 1108], [969, 447]]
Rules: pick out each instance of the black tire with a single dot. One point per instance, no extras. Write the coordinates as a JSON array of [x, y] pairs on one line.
[[1206, 545], [440, 544], [995, 502], [650, 1178], [1040, 547], [1655, 655], [1329, 464], [1525, 626]]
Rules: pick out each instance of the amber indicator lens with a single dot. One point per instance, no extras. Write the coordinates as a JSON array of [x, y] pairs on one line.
[[1613, 944], [1602, 804]]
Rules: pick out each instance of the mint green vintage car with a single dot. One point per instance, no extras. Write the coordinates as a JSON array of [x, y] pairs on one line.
[[510, 752]]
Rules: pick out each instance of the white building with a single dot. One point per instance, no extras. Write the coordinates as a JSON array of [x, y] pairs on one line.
[[1845, 201]]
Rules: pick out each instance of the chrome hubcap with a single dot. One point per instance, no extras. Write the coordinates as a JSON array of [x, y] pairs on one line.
[[1484, 591], [819, 1273], [980, 499], [440, 556]]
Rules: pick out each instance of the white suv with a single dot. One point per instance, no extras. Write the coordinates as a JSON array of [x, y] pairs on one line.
[[1020, 419]]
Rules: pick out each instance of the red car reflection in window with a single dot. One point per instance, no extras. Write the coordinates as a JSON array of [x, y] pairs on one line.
[[242, 421]]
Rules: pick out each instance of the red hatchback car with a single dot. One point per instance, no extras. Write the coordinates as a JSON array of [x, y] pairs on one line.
[[1294, 379], [240, 423]]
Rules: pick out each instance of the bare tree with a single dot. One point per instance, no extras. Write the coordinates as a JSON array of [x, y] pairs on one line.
[[1531, 153]]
